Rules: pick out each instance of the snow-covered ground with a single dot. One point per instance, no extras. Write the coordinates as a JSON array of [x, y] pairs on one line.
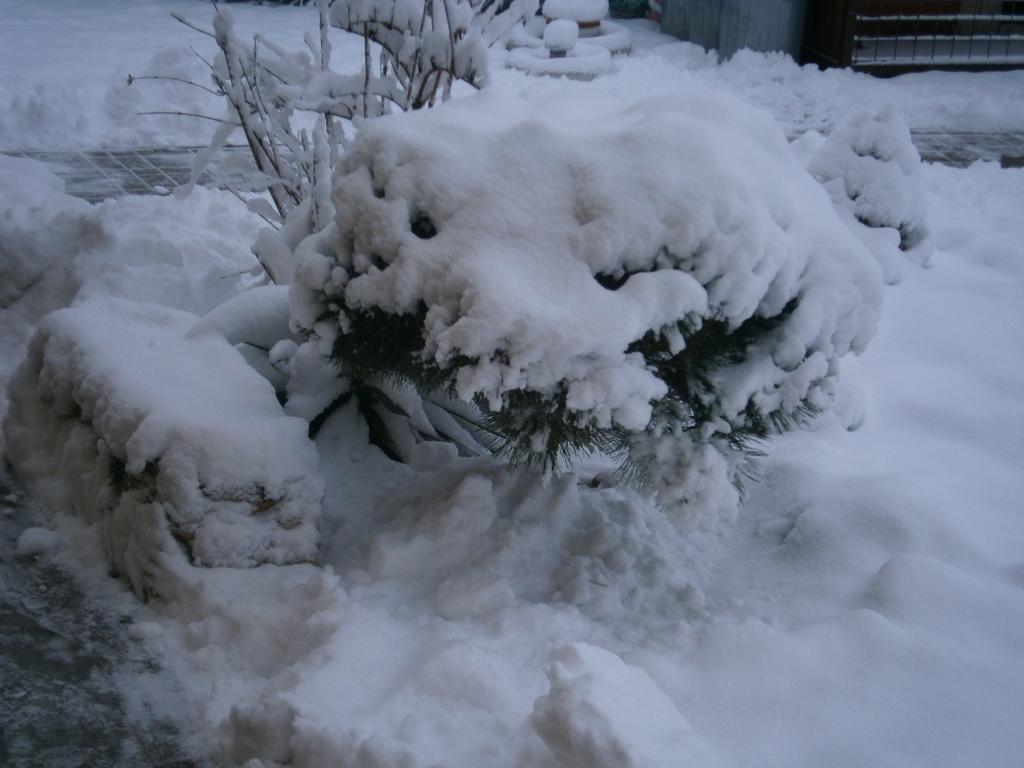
[[66, 67], [865, 608]]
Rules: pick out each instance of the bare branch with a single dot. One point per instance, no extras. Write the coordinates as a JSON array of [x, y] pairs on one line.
[[191, 114], [272, 223], [366, 67], [179, 18], [325, 58], [133, 78], [200, 57]]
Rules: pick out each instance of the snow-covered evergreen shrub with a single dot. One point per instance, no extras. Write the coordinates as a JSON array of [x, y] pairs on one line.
[[592, 275], [870, 166]]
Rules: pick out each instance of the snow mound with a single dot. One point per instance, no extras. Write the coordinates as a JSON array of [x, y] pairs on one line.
[[561, 35], [581, 61], [257, 317], [540, 239], [870, 166], [118, 415], [42, 231], [256, 322], [477, 540], [35, 541], [55, 249], [604, 713]]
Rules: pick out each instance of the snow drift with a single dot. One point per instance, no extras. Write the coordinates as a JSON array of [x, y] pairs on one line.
[[121, 416], [56, 250]]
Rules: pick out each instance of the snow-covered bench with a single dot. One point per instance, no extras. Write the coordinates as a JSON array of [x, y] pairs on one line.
[[168, 441]]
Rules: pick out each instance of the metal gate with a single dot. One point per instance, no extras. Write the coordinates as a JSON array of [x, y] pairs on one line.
[[892, 36], [729, 25]]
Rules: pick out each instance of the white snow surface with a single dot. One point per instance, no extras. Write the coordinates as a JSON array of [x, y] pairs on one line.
[[866, 608], [612, 35], [257, 317], [604, 713], [73, 61], [35, 541], [581, 62], [575, 10], [80, 98], [561, 35], [188, 254]]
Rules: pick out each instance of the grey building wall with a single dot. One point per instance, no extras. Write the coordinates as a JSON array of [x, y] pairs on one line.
[[729, 25]]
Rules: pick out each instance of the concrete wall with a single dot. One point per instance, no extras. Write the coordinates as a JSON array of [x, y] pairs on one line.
[[729, 25]]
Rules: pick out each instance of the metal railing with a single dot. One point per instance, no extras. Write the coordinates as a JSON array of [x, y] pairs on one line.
[[913, 34]]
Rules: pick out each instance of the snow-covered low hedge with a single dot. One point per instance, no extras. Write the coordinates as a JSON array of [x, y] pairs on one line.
[[592, 274], [166, 439]]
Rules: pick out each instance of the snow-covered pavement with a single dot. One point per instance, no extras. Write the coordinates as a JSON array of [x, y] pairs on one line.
[[96, 175], [865, 608], [63, 657]]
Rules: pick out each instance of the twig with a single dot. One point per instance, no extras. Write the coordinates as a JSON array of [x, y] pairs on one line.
[[192, 114], [132, 78], [245, 202], [179, 18], [325, 60], [200, 57], [366, 67]]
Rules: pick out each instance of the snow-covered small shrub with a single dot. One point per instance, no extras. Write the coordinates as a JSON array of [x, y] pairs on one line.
[[870, 166], [587, 273], [414, 53], [128, 415]]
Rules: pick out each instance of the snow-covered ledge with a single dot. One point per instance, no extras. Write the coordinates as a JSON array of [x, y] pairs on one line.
[[167, 441]]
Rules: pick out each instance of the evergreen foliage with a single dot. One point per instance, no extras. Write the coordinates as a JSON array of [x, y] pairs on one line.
[[603, 299], [536, 429]]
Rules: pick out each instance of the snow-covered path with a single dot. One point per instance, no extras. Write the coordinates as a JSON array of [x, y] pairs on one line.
[[62, 657]]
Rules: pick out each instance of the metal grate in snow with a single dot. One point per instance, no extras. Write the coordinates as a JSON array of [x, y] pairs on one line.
[[961, 148], [96, 175]]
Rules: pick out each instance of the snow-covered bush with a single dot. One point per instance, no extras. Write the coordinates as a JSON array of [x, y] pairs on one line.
[[870, 167], [421, 47], [592, 275], [155, 430]]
